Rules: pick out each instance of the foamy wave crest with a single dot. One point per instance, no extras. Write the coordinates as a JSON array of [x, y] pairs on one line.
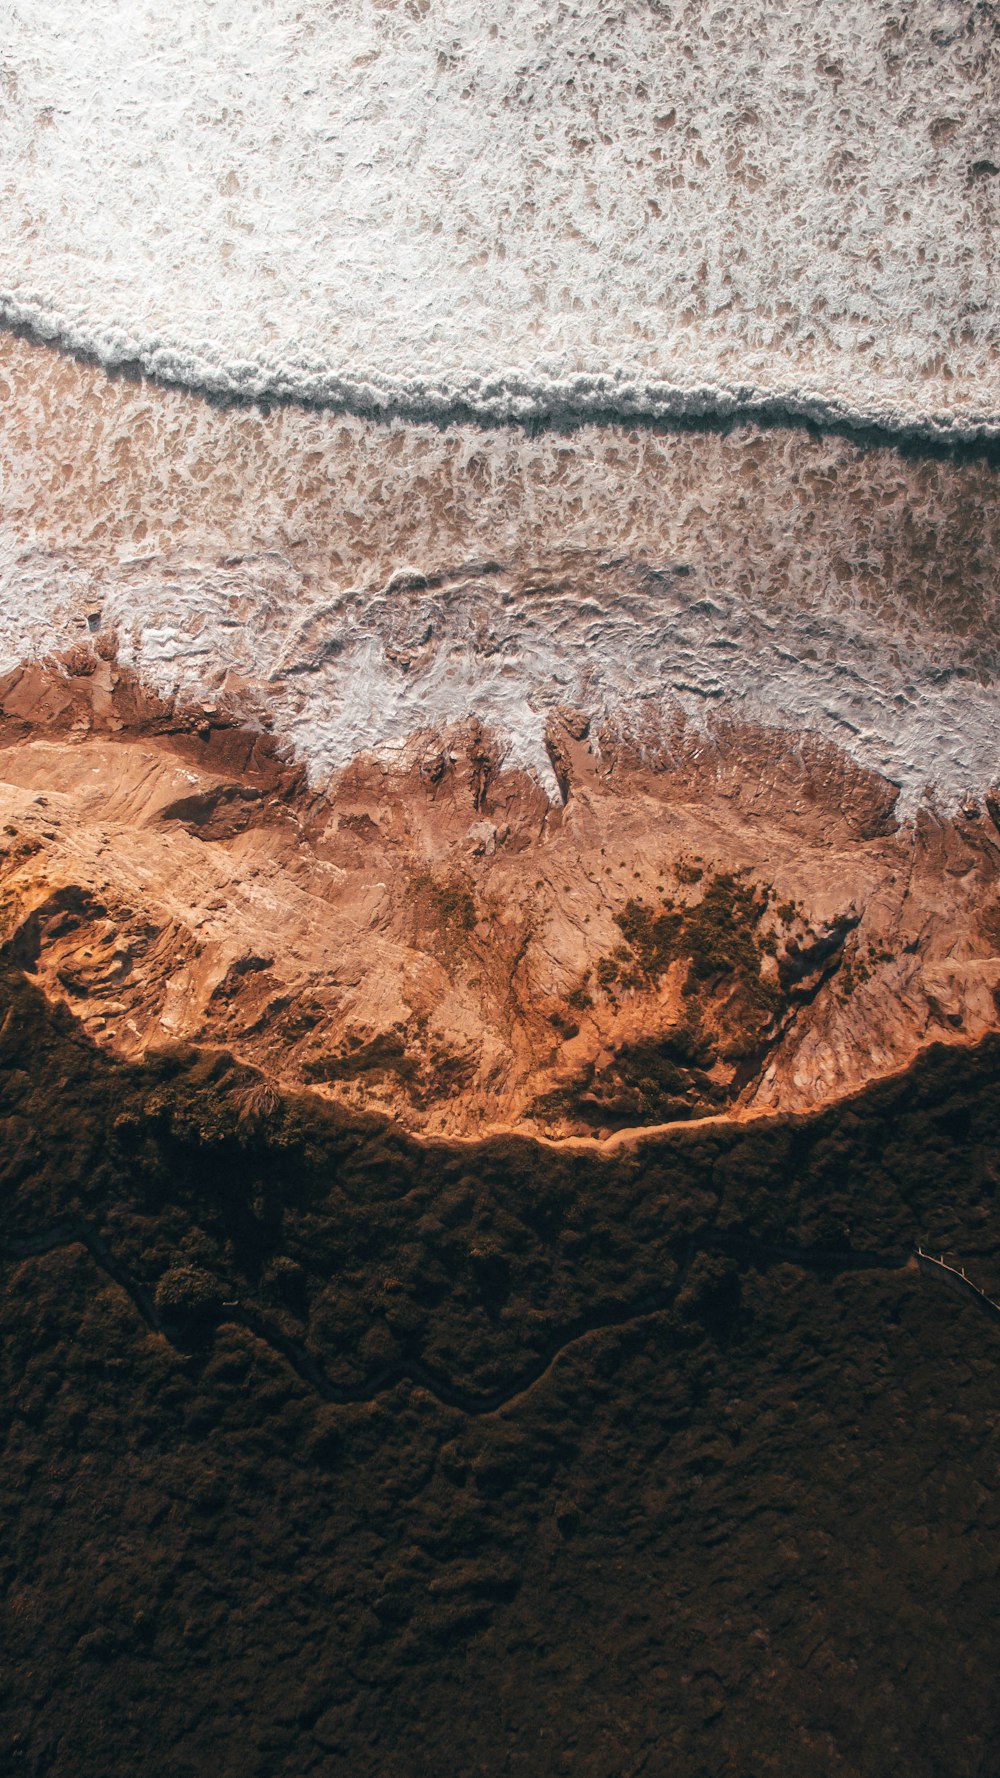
[[366, 670], [499, 399], [519, 212], [502, 398]]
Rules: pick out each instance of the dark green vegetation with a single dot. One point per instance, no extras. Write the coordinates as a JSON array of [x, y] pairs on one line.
[[386, 1053], [447, 905], [654, 1080], [731, 1016], [737, 1518], [719, 936]]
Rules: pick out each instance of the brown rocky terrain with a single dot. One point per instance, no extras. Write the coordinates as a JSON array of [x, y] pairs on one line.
[[732, 925], [459, 1305]]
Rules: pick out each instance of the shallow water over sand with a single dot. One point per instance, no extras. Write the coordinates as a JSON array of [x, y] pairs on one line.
[[357, 582]]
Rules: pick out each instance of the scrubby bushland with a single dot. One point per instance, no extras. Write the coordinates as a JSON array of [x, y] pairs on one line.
[[738, 1513]]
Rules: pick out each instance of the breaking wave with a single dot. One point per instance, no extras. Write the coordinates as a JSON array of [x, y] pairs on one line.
[[525, 212], [502, 397], [355, 585], [636, 649]]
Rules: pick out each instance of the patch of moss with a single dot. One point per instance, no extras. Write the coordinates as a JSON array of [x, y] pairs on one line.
[[450, 904], [883, 953], [855, 970], [652, 937], [687, 872], [455, 906], [607, 972]]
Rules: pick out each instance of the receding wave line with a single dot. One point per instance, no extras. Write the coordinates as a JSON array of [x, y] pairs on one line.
[[511, 396]]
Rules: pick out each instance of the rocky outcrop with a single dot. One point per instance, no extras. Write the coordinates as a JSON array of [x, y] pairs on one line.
[[750, 929]]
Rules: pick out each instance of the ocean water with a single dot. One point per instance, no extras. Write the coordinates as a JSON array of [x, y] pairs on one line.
[[289, 288], [634, 207]]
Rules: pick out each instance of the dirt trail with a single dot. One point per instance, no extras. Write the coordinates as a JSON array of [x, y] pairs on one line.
[[388, 1377]]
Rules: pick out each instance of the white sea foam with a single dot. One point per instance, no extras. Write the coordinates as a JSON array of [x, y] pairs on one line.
[[525, 208], [260, 560], [365, 670]]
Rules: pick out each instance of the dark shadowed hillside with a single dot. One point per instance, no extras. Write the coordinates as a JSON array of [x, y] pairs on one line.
[[329, 1452]]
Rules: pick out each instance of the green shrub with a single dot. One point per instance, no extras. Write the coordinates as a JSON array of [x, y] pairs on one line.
[[718, 935], [187, 1291]]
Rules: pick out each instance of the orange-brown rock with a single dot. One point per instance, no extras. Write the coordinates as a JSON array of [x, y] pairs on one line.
[[698, 929]]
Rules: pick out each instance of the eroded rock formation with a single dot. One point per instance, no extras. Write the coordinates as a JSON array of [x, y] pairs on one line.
[[734, 924]]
